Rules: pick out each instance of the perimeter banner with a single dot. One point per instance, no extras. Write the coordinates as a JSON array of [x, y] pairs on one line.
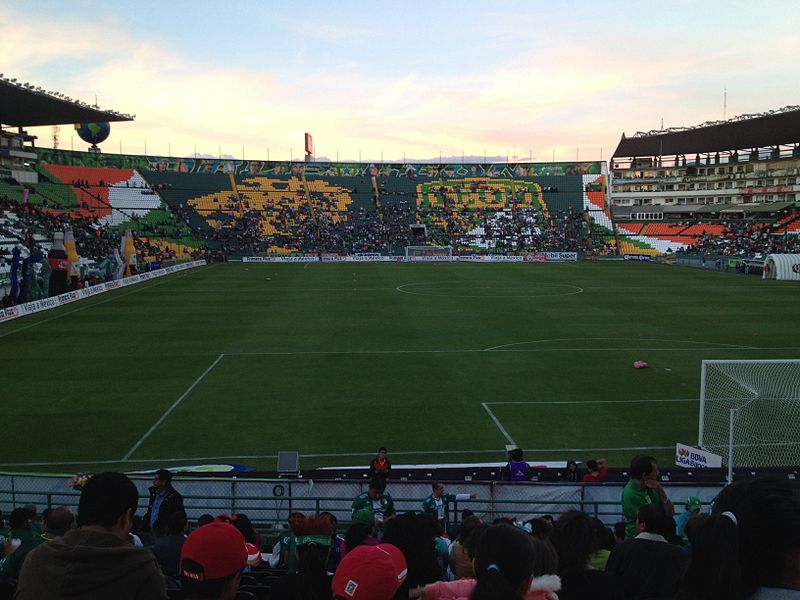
[[694, 458], [489, 258]]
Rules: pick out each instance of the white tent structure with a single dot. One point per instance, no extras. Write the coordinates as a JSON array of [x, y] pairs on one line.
[[782, 266]]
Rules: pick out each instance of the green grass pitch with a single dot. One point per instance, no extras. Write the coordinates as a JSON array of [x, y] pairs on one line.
[[439, 362]]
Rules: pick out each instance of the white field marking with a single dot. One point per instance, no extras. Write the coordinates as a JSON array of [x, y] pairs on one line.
[[174, 405], [497, 422], [520, 350], [592, 401], [400, 289], [281, 290], [715, 344], [354, 289], [755, 286], [498, 451], [137, 288]]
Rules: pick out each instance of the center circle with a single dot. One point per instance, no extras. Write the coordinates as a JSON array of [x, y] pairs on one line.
[[488, 289]]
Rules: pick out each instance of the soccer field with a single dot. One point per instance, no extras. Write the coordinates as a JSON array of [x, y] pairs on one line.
[[440, 362]]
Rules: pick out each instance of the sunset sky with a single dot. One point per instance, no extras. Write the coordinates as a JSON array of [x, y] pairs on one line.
[[410, 78]]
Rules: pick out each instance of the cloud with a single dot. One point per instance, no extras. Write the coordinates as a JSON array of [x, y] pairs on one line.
[[513, 85]]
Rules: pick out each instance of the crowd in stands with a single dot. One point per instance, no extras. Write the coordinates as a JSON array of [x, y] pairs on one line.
[[32, 227], [296, 229], [745, 239], [86, 185], [29, 221], [746, 548], [386, 230]]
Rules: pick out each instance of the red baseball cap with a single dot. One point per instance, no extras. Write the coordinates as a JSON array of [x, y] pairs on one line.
[[219, 548], [370, 573]]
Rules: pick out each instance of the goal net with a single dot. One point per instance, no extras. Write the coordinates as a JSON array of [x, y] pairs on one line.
[[413, 252], [750, 411]]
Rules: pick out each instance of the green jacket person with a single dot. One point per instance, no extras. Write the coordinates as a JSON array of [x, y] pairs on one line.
[[375, 499], [438, 503]]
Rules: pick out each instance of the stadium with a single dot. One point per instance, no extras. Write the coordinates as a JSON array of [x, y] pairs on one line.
[[260, 328]]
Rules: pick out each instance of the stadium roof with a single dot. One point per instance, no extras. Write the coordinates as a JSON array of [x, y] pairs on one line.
[[745, 132], [24, 105]]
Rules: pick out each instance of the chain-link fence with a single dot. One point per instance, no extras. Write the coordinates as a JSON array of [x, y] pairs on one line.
[[268, 502]]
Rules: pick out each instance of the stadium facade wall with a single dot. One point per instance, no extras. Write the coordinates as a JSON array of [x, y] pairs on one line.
[[347, 169]]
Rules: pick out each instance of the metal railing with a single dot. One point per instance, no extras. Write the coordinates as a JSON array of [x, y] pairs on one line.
[[268, 502]]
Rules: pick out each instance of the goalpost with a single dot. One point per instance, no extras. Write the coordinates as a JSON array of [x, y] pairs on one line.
[[431, 252], [750, 412]]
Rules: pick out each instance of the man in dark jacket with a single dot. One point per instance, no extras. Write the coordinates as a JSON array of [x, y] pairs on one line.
[[96, 560], [164, 501], [648, 566]]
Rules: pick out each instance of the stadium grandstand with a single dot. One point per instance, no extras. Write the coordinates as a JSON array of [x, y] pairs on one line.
[[721, 189], [281, 356]]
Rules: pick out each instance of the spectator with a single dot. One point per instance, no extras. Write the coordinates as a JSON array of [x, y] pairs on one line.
[[642, 488], [647, 566], [375, 499], [460, 558], [438, 503], [360, 532], [20, 539], [370, 573], [575, 541], [311, 581], [283, 553], [212, 560], [516, 469], [337, 541], [572, 473], [243, 524], [749, 547], [164, 501], [605, 543], [58, 522], [30, 509], [545, 582], [415, 536], [541, 528], [692, 506], [509, 563], [596, 471], [380, 465], [441, 545], [204, 519], [96, 560], [136, 528], [167, 548], [619, 532], [690, 531]]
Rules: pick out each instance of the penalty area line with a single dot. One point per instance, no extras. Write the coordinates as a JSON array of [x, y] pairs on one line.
[[167, 412], [591, 401]]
